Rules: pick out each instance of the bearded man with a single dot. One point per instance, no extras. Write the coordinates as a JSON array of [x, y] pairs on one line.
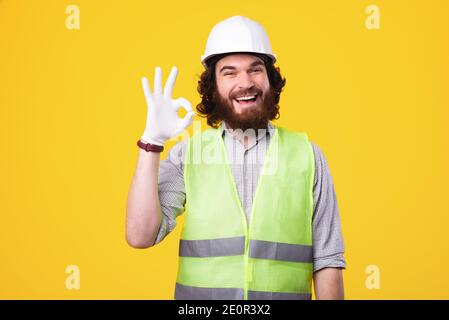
[[261, 215]]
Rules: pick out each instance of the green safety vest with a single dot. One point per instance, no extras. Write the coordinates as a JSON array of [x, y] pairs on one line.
[[220, 257]]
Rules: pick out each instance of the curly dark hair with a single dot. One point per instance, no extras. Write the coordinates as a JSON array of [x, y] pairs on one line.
[[207, 89]]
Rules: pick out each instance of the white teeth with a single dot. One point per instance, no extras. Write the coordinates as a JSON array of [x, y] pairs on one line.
[[245, 98]]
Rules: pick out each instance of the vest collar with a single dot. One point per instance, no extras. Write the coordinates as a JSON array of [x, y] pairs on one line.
[[222, 127], [252, 142]]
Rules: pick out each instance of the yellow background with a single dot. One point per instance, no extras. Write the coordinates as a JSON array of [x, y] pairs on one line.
[[72, 109]]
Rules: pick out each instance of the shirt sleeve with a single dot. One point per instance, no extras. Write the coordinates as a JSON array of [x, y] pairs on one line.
[[172, 195], [328, 243]]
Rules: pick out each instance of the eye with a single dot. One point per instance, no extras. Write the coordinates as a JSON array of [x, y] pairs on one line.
[[257, 70], [229, 73]]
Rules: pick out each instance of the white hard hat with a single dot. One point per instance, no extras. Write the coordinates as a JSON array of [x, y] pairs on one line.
[[237, 34]]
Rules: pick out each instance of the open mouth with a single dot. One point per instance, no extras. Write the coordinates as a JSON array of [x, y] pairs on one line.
[[246, 100]]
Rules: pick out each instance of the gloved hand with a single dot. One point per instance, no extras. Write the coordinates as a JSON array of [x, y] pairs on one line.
[[163, 121]]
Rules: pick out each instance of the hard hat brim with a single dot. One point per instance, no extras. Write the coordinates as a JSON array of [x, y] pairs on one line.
[[205, 59]]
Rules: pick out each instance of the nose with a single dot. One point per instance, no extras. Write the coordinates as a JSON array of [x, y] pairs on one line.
[[245, 81]]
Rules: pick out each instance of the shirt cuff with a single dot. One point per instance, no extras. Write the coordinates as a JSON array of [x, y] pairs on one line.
[[334, 261], [163, 231]]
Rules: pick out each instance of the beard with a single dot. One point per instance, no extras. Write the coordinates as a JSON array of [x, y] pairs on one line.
[[255, 117]]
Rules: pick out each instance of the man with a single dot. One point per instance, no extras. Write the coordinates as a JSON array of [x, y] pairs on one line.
[[262, 218]]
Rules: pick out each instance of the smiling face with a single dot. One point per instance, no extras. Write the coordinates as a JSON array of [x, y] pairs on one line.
[[241, 89], [243, 95], [243, 80]]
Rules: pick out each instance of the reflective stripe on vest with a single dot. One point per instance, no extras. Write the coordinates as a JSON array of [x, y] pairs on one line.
[[212, 248], [195, 293], [221, 257], [280, 251], [236, 246]]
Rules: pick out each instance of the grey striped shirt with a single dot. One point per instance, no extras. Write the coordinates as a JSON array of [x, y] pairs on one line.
[[246, 163]]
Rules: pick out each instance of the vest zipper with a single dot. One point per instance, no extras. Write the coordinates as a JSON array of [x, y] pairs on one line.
[[248, 274]]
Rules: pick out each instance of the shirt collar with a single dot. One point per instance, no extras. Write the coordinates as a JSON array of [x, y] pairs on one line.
[[271, 127]]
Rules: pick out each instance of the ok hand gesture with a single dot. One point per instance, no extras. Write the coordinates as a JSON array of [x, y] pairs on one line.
[[163, 121]]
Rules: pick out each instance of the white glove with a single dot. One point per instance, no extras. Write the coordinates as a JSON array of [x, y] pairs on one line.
[[163, 121]]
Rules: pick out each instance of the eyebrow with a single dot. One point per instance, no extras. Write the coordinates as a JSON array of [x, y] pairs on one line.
[[252, 65]]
